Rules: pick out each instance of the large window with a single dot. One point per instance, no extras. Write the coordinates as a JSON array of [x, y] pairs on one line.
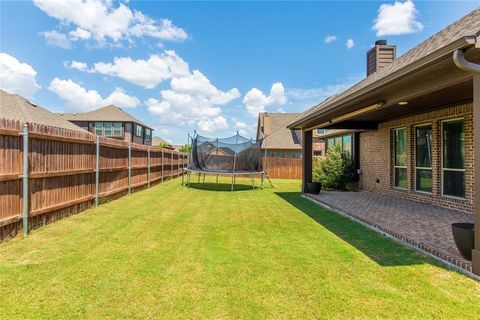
[[108, 129], [347, 144], [453, 158], [330, 143], [138, 130], [423, 158], [400, 158], [148, 134]]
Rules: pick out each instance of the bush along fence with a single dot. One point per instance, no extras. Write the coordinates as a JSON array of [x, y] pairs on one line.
[[47, 173]]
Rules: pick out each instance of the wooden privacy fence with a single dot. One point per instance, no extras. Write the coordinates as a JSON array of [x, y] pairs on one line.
[[283, 168], [68, 171]]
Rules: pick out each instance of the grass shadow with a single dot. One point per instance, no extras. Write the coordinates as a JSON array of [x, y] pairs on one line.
[[221, 187], [382, 250]]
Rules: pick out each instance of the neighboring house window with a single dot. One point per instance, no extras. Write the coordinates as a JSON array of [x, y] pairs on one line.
[[117, 129], [453, 154], [269, 154], [148, 134], [298, 154], [400, 160], [317, 153], [347, 144], [277, 154], [138, 131], [288, 154], [423, 158], [108, 129]]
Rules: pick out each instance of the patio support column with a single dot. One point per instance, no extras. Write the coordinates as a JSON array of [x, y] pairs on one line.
[[476, 171], [307, 142]]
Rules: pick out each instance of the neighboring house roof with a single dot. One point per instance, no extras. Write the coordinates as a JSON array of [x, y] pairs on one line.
[[15, 107], [468, 26], [279, 136], [108, 113]]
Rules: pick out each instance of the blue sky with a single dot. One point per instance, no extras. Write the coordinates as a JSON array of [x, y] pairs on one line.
[[210, 66]]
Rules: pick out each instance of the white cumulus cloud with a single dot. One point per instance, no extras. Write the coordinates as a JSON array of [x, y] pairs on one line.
[[397, 18], [57, 39], [17, 77], [81, 66], [80, 99], [350, 43], [330, 38], [146, 73], [193, 100], [255, 101], [104, 21]]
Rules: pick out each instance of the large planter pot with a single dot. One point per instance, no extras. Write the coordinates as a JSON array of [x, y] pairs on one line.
[[314, 187], [463, 235]]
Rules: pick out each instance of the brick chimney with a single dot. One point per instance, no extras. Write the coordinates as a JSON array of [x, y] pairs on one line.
[[380, 55]]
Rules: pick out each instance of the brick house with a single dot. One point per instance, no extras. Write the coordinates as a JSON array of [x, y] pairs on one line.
[[282, 142], [412, 120], [113, 122]]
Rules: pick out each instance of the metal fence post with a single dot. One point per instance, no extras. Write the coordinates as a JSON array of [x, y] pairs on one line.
[[148, 166], [25, 179], [97, 170], [163, 163], [129, 167]]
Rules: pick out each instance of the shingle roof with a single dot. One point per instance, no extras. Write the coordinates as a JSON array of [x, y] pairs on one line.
[[468, 25], [108, 113], [280, 137], [13, 106]]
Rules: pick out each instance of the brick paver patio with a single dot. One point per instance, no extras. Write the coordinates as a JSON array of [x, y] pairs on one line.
[[422, 225]]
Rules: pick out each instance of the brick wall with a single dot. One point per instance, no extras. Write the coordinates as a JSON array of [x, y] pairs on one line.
[[376, 160]]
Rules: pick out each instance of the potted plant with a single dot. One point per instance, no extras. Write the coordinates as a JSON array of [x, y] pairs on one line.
[[463, 235], [314, 187]]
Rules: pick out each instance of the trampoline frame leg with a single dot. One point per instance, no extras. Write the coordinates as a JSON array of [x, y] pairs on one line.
[[183, 178], [261, 183], [253, 183], [204, 178], [188, 179]]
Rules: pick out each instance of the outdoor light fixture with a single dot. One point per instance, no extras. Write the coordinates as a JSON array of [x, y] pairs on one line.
[[403, 103]]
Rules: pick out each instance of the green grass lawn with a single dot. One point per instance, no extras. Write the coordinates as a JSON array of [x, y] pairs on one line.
[[171, 253]]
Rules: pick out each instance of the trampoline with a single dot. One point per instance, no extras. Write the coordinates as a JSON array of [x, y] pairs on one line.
[[233, 156]]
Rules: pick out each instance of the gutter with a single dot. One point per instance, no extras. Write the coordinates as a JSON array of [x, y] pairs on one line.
[[422, 62], [464, 64]]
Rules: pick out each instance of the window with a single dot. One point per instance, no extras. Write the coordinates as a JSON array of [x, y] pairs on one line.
[[288, 154], [277, 154], [269, 154], [330, 143], [400, 160], [148, 134], [321, 131], [347, 144], [453, 158], [108, 129], [338, 142], [138, 130], [423, 158], [298, 154], [117, 129], [317, 153]]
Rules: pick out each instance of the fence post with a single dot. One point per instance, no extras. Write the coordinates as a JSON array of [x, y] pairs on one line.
[[148, 166], [97, 170], [25, 179], [163, 158], [171, 165], [129, 167]]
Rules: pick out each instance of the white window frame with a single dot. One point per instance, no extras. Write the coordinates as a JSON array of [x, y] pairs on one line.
[[441, 150], [415, 155], [113, 135], [136, 131], [395, 156]]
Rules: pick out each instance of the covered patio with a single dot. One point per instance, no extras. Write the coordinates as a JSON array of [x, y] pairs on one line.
[[424, 226]]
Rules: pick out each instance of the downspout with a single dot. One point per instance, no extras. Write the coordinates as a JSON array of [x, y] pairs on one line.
[[462, 63]]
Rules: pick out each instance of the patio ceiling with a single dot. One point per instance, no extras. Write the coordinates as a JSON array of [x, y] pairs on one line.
[[438, 84]]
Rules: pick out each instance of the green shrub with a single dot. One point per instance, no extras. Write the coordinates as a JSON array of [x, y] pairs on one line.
[[334, 170]]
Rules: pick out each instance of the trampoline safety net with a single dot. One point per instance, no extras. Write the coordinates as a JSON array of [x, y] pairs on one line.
[[236, 154]]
